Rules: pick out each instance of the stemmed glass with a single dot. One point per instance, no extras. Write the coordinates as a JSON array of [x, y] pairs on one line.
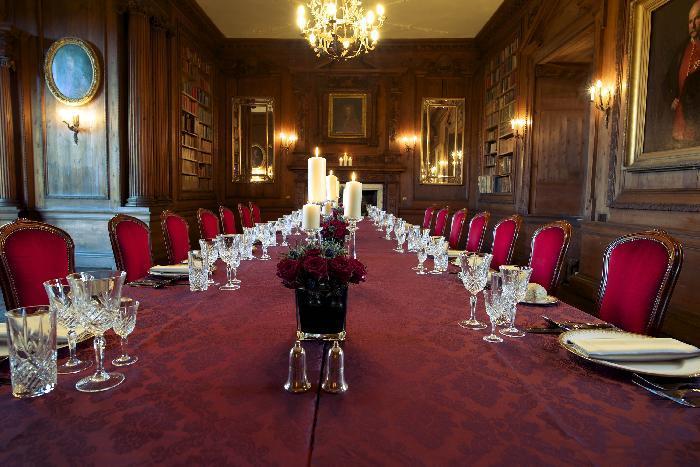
[[389, 222], [60, 299], [266, 236], [229, 252], [422, 252], [286, 229], [124, 325], [515, 280], [492, 300], [97, 297], [400, 232], [210, 255], [435, 248], [475, 272]]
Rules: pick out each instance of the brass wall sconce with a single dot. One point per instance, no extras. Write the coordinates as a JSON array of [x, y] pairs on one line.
[[409, 142], [287, 141], [74, 126], [601, 97], [518, 125]]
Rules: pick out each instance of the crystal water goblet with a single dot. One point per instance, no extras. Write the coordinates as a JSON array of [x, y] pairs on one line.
[[434, 250], [197, 271], [61, 301], [272, 232], [422, 256], [266, 239], [475, 270], [492, 301], [97, 296], [286, 229], [512, 286], [124, 325], [210, 255], [229, 245], [389, 226]]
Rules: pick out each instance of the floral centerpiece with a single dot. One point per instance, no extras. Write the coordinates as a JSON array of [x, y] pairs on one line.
[[334, 228], [320, 275]]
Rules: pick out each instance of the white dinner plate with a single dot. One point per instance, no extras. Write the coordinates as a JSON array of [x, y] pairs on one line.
[[61, 338], [548, 301], [688, 367]]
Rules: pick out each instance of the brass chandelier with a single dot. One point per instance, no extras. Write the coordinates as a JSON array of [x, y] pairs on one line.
[[340, 29]]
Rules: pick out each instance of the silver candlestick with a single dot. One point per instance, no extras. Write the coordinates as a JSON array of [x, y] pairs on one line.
[[353, 238]]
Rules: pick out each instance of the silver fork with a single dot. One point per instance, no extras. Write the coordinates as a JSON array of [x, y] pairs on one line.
[[693, 383], [680, 396]]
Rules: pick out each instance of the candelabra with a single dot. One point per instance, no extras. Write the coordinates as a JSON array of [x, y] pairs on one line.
[[602, 96], [353, 238], [313, 236]]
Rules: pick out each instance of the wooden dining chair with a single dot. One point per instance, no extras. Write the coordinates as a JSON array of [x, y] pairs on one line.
[[456, 239], [228, 220], [477, 232], [131, 244], [505, 234], [640, 271], [176, 234], [32, 252], [549, 245], [245, 215], [441, 222], [208, 224], [255, 212]]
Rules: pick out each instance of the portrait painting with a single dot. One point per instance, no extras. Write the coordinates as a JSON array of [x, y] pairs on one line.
[[72, 71], [347, 115], [665, 81]]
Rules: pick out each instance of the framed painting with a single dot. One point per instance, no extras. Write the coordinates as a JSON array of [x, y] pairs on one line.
[[347, 115], [72, 71], [663, 115]]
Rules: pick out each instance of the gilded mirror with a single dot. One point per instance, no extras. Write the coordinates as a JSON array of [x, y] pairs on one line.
[[253, 140], [442, 141]]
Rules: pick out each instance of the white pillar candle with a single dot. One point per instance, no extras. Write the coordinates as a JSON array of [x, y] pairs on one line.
[[316, 179], [311, 217], [352, 199], [332, 187]]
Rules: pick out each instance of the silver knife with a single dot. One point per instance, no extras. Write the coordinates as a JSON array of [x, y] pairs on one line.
[[658, 392]]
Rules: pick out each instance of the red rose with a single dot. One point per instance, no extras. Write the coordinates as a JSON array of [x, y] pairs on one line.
[[313, 252], [359, 271], [316, 267], [288, 271], [341, 229], [341, 269]]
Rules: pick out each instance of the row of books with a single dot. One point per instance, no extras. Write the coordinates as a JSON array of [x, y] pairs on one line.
[[492, 120], [507, 113], [193, 107], [491, 135], [494, 76], [188, 122], [195, 76], [189, 154], [506, 146], [193, 59], [504, 54], [204, 131], [205, 146], [491, 147], [199, 94], [189, 140], [489, 160], [505, 165], [196, 183], [189, 167], [494, 184], [494, 103]]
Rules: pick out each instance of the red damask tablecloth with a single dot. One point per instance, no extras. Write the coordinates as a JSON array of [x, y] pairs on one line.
[[207, 388]]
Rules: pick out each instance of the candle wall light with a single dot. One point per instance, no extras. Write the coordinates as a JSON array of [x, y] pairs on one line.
[[518, 125], [602, 97], [72, 120], [409, 142], [287, 141]]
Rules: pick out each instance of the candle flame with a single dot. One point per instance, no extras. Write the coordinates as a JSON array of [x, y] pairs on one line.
[[316, 151], [330, 173], [353, 176]]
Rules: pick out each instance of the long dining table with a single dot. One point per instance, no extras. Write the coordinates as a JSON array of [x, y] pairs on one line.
[[207, 388]]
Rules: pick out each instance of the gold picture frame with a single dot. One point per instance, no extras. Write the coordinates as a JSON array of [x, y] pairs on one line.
[[654, 157], [343, 119], [72, 71]]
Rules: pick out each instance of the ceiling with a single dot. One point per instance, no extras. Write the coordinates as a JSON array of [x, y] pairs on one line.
[[406, 19]]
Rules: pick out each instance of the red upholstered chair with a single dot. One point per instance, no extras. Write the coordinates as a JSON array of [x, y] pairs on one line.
[[428, 217], [549, 245], [456, 238], [176, 233], [208, 224], [477, 231], [246, 216], [255, 212], [31, 253], [505, 233], [228, 220], [131, 244], [639, 273], [441, 221]]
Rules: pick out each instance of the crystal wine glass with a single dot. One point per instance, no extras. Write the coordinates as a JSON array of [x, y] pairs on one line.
[[124, 325], [422, 256], [400, 233], [266, 238], [61, 300], [210, 255], [475, 270], [515, 280], [389, 226], [228, 245], [97, 296], [492, 300]]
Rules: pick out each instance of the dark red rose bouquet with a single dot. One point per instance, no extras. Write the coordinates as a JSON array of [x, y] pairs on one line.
[[324, 268], [334, 229]]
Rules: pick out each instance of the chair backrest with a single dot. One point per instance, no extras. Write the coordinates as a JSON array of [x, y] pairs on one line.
[[245, 215], [477, 231], [176, 233], [131, 244], [208, 224], [441, 221], [505, 234], [254, 212], [456, 238], [428, 217], [640, 271], [31, 253], [228, 220], [549, 245]]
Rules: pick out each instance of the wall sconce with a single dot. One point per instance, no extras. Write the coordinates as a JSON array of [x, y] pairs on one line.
[[409, 142], [74, 126], [287, 141], [602, 96], [518, 125]]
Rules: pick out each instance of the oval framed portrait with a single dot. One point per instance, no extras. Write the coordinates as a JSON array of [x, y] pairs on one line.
[[72, 71]]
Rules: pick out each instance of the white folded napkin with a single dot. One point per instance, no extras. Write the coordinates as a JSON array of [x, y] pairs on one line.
[[454, 253], [175, 269], [629, 348], [61, 336]]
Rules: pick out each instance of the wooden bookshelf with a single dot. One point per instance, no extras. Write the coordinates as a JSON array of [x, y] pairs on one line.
[[196, 123], [498, 143]]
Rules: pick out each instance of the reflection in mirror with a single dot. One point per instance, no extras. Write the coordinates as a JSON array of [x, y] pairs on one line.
[[253, 140], [442, 141]]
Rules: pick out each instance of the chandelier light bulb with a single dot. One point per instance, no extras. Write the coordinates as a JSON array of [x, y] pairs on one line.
[[374, 35], [312, 38], [370, 17], [332, 9], [380, 9], [346, 43]]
